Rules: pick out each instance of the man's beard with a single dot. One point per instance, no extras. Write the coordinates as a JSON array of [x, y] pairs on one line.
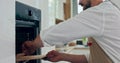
[[88, 5]]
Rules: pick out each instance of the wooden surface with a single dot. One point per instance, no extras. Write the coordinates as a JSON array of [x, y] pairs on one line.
[[67, 9], [21, 57], [97, 55]]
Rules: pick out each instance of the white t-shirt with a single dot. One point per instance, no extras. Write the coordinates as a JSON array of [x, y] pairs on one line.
[[101, 22]]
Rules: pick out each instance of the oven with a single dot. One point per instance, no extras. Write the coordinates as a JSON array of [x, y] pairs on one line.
[[28, 20]]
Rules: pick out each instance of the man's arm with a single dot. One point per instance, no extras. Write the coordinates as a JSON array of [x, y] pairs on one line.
[[38, 42], [75, 58], [55, 56], [82, 25]]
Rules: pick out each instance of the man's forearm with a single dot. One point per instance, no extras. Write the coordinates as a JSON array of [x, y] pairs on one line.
[[74, 58]]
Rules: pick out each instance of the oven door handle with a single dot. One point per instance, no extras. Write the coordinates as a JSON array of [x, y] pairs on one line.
[[20, 23]]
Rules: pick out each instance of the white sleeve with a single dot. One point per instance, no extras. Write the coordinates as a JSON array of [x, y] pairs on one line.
[[87, 23]]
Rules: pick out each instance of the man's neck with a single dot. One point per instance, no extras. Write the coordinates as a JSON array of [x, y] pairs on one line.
[[95, 2]]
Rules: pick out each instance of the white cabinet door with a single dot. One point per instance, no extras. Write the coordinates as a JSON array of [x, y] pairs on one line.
[[7, 31]]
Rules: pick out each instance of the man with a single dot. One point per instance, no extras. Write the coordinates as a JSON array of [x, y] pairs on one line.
[[101, 22]]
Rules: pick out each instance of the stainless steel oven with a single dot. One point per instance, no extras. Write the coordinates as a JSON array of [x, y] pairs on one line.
[[28, 21]]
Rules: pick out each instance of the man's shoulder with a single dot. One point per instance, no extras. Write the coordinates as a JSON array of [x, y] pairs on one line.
[[105, 6]]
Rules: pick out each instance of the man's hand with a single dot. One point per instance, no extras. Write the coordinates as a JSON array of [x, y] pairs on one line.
[[29, 47], [54, 56]]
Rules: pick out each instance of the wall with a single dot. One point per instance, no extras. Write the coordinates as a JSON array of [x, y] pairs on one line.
[[29, 2], [60, 9], [74, 7], [43, 5], [7, 31]]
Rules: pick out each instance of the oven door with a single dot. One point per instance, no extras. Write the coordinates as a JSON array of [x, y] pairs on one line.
[[26, 30]]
